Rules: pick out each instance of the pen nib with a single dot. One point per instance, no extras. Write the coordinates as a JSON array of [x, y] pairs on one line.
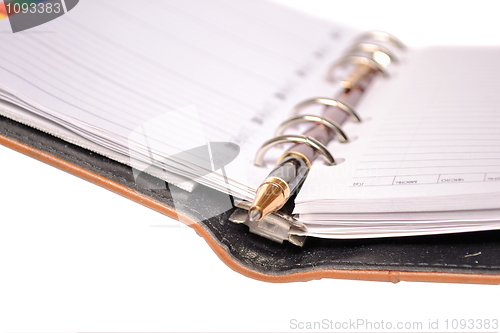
[[254, 214]]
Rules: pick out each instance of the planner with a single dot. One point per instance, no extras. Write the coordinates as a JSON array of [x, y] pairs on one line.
[[169, 105]]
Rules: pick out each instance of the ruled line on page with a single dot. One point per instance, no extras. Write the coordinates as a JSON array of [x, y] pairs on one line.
[[171, 71]]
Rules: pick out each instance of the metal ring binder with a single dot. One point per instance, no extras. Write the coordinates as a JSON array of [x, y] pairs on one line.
[[369, 60], [362, 45], [327, 102], [356, 59], [301, 139], [382, 36], [314, 119], [372, 48]]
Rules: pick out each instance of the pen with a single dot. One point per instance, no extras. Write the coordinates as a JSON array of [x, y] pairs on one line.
[[293, 166]]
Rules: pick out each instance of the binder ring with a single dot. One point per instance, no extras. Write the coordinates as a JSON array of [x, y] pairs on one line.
[[327, 102], [357, 59], [314, 119], [300, 139], [372, 48], [382, 36]]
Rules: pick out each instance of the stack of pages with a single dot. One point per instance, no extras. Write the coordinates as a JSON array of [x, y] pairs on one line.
[[188, 90]]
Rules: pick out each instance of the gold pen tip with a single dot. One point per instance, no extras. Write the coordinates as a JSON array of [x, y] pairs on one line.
[[254, 214]]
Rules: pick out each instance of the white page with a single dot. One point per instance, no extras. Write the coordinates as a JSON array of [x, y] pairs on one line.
[[432, 142], [105, 69], [24, 117]]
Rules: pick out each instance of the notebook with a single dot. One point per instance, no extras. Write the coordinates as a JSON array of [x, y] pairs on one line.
[[187, 92]]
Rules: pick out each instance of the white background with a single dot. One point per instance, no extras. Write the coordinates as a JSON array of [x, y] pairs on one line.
[[75, 257]]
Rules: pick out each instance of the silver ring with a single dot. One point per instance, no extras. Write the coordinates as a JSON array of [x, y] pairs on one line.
[[327, 102], [382, 36], [372, 48], [313, 119], [300, 139], [357, 59]]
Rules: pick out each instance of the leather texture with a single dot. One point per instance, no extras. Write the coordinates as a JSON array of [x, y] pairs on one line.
[[443, 258]]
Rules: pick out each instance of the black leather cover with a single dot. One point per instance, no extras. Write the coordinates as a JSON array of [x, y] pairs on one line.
[[436, 255]]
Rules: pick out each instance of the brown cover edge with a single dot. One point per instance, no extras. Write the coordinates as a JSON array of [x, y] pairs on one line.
[[369, 275]]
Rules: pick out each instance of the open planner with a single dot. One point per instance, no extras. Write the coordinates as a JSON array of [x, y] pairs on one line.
[[187, 91]]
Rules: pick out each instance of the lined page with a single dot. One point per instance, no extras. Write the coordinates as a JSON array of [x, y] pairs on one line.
[[433, 141], [108, 67]]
